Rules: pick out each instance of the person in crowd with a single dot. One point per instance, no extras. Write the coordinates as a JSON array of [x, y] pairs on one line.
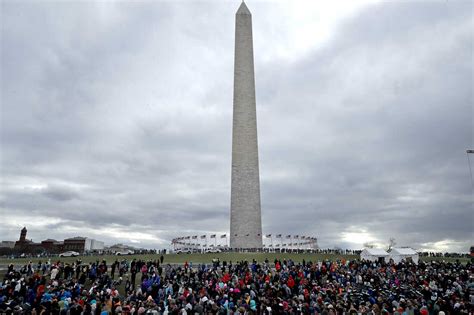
[[281, 287]]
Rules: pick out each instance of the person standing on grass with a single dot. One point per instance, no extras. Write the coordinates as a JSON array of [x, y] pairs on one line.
[[54, 273], [78, 268], [134, 274], [112, 272]]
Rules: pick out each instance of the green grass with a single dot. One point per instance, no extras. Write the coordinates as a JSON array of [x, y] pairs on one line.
[[463, 260], [207, 258], [194, 258]]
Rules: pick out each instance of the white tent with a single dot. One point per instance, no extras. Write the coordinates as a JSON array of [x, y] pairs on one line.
[[406, 254], [374, 254]]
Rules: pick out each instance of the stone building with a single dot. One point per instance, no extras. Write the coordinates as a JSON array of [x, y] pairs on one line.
[[78, 244]]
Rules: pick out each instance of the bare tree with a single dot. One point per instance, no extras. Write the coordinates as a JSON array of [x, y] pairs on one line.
[[391, 243]]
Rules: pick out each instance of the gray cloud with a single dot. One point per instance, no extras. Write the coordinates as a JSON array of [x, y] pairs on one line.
[[116, 119]]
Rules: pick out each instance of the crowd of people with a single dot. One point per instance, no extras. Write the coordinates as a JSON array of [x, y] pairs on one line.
[[267, 287]]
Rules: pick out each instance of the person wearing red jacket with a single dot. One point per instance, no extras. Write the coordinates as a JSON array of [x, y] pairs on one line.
[[291, 282], [226, 278], [277, 266]]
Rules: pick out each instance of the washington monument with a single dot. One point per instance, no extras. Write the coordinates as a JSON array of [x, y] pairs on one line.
[[245, 213]]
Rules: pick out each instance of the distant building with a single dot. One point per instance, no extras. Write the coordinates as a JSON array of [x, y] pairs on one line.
[[25, 245], [77, 244], [83, 244], [23, 234], [96, 245], [7, 244], [52, 246]]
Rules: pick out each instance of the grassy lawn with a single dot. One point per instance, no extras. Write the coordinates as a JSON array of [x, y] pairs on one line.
[[194, 258], [207, 258]]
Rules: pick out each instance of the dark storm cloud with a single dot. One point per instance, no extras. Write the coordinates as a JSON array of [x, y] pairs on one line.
[[385, 111], [59, 193], [116, 122]]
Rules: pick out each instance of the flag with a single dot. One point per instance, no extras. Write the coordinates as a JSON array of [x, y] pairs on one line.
[[223, 235], [203, 236], [288, 236], [268, 235], [213, 236], [278, 236], [195, 237]]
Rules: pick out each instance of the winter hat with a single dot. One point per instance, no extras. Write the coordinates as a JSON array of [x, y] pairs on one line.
[[253, 305]]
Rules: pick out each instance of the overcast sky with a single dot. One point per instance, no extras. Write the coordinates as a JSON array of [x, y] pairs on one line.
[[116, 120]]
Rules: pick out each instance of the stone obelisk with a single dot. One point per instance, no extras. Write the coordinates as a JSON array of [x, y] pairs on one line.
[[245, 213]]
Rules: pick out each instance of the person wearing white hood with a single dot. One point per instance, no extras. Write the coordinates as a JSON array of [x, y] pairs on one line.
[[54, 273], [18, 286]]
